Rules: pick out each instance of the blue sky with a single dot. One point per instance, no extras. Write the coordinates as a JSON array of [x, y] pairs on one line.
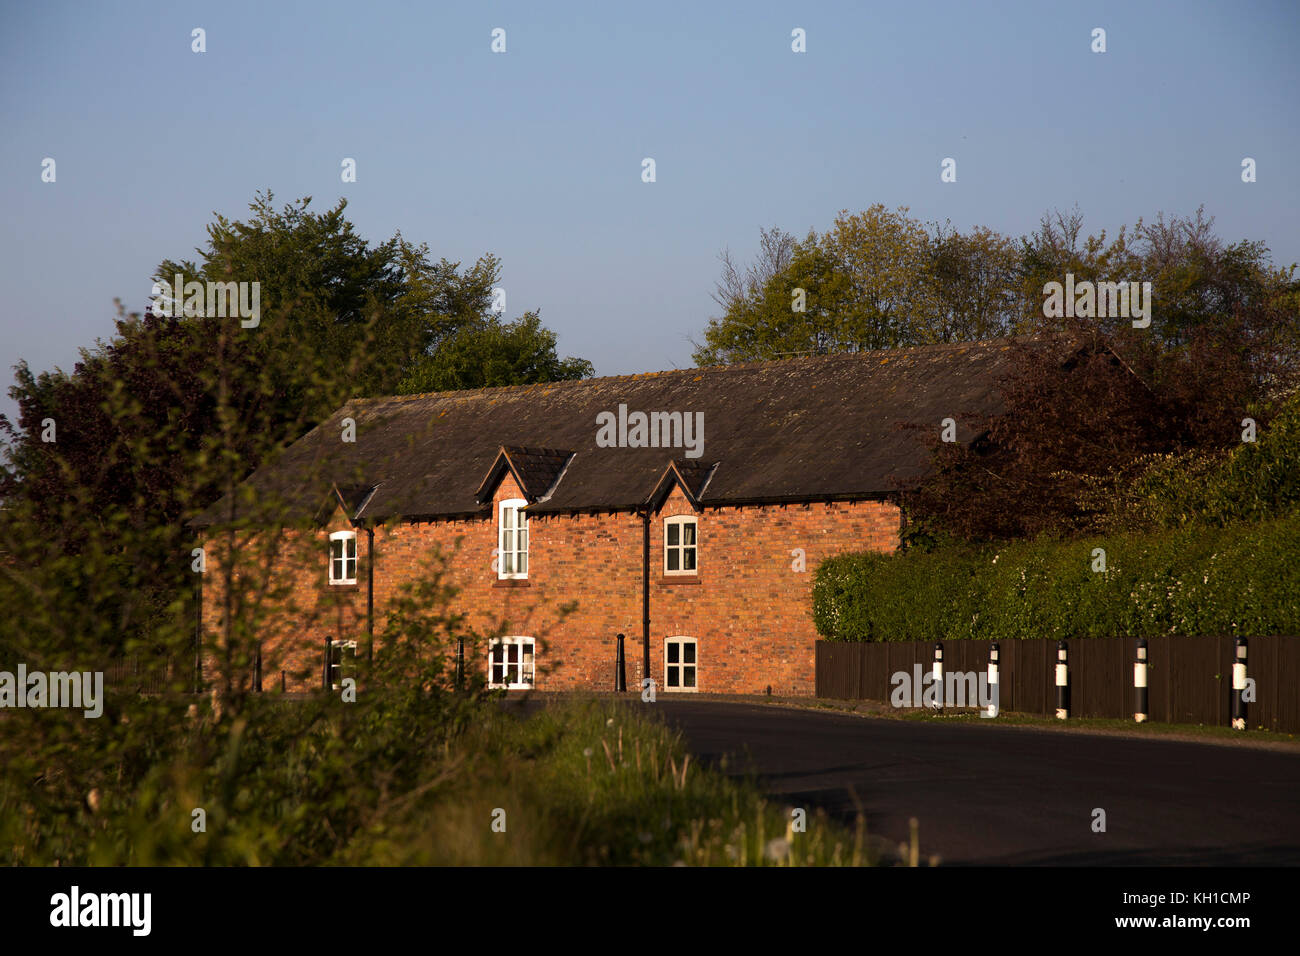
[[535, 154]]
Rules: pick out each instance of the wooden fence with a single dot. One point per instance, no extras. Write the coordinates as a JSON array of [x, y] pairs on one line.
[[1189, 678], [146, 675]]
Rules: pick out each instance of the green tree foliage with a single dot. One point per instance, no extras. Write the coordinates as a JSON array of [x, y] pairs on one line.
[[155, 424], [1086, 412], [96, 514], [489, 353], [876, 279], [1196, 580], [1194, 544], [973, 285], [882, 279], [1199, 282], [1253, 481], [365, 312], [1080, 414]]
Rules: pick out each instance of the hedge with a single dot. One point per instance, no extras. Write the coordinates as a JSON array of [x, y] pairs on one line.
[[1243, 579]]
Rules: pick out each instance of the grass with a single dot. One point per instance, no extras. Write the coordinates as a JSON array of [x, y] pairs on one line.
[[392, 780], [1253, 736], [1153, 728], [587, 782]]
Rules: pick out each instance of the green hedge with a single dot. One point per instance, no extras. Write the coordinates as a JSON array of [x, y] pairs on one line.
[[1243, 579]]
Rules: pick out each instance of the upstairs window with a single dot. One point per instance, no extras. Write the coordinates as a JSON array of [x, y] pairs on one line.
[[343, 557], [512, 540], [681, 546]]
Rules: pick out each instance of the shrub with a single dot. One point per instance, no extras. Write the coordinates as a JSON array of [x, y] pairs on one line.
[[1241, 579], [398, 778], [1254, 481]]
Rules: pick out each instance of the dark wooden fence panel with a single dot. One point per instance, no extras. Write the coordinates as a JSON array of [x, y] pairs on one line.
[[837, 671], [1189, 679], [143, 675], [875, 669], [1275, 665], [1097, 679], [1194, 679]]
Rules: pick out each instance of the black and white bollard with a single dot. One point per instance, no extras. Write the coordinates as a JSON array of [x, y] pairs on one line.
[[1238, 686], [992, 709], [937, 674], [1140, 709], [1062, 683]]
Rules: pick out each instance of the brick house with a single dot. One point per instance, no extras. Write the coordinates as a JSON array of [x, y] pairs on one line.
[[684, 509]]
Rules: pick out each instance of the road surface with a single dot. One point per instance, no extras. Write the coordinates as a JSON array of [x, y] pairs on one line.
[[992, 795]]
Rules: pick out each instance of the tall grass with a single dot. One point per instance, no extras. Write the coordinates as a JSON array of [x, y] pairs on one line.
[[395, 779], [592, 782]]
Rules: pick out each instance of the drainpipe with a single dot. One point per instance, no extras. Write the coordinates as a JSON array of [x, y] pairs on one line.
[[198, 634], [645, 593], [370, 594]]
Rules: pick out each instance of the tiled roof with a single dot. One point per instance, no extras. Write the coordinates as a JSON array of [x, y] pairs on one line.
[[690, 476], [536, 470], [801, 429]]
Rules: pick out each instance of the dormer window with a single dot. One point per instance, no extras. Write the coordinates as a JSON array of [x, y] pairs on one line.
[[681, 545], [343, 557], [512, 539]]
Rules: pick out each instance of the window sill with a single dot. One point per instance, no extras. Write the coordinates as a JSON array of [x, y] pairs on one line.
[[511, 583], [341, 586], [679, 579]]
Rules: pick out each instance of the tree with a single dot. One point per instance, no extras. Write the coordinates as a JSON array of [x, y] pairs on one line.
[[174, 410], [366, 312], [488, 353], [877, 279], [974, 281], [1082, 413], [881, 279], [738, 288], [885, 255], [803, 309]]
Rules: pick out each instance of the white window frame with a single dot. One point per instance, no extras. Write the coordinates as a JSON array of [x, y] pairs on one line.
[[336, 670], [515, 552], [679, 665], [524, 666], [681, 521], [345, 537]]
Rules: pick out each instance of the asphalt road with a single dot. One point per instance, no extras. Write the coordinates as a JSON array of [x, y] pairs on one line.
[[990, 795]]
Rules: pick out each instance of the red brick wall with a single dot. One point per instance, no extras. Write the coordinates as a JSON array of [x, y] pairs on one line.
[[747, 608]]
